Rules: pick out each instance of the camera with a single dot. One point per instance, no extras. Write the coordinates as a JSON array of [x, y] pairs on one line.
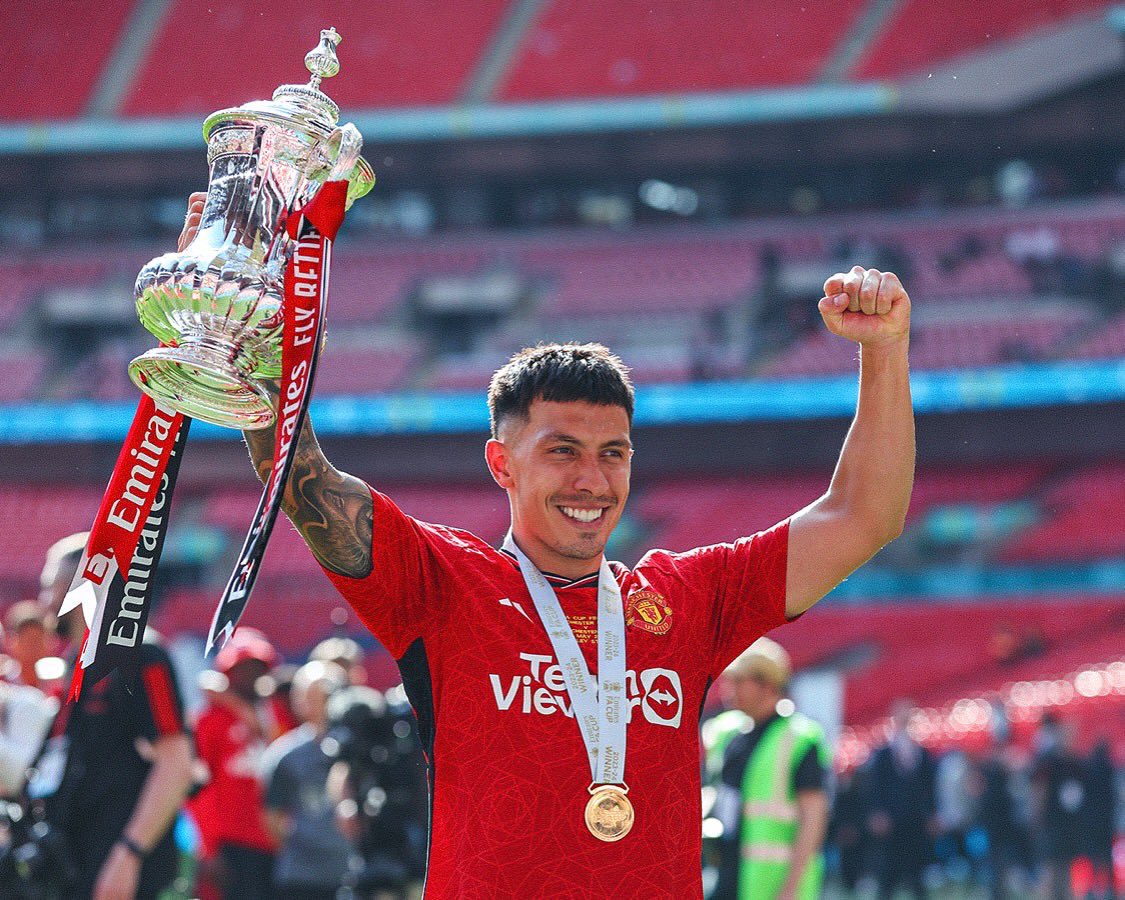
[[378, 743], [36, 863]]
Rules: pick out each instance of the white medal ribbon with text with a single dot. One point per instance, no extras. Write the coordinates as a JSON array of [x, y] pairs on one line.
[[599, 708]]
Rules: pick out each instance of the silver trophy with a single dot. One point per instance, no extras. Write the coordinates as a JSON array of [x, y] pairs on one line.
[[217, 306]]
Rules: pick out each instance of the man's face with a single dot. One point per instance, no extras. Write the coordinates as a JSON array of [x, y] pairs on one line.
[[29, 644], [566, 470], [754, 696]]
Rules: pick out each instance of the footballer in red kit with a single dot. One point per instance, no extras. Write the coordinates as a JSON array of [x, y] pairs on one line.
[[523, 732]]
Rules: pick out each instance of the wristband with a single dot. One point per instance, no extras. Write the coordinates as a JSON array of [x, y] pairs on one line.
[[132, 846]]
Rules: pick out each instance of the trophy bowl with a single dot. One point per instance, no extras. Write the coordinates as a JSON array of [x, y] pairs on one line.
[[217, 306]]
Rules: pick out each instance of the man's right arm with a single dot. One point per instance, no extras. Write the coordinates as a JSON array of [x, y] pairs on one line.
[[331, 509]]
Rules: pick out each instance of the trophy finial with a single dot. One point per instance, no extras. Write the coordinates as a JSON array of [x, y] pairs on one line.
[[321, 60]]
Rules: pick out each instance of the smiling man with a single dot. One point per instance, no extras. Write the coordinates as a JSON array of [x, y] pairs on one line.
[[558, 694]]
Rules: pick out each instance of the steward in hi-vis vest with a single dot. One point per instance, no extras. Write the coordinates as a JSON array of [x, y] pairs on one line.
[[769, 771]]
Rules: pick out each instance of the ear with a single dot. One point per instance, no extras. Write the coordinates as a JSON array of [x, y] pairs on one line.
[[496, 455]]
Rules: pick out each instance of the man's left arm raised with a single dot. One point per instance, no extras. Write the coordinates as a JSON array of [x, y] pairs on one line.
[[865, 505]]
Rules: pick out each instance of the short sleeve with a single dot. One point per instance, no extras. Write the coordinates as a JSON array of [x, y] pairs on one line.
[[398, 598], [749, 591], [157, 704], [810, 774]]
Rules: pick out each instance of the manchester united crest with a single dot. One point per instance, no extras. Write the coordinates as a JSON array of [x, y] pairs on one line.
[[648, 611]]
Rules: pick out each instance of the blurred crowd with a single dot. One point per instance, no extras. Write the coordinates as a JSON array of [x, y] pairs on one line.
[[1013, 822], [294, 779]]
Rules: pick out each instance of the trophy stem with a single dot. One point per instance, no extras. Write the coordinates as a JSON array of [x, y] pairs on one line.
[[206, 377]]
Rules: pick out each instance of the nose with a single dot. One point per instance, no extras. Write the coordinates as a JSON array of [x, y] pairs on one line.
[[590, 478]]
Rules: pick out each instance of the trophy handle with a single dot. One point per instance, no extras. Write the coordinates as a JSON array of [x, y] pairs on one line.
[[342, 149]]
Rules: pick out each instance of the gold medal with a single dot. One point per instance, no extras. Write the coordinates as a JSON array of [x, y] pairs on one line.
[[609, 814]]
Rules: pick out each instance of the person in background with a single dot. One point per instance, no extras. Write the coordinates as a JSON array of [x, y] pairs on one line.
[[772, 796], [902, 803], [313, 854], [344, 652], [1101, 818], [28, 639], [116, 766], [25, 715], [1060, 780], [231, 734]]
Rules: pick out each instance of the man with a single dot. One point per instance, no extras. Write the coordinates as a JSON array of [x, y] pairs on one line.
[[25, 715], [117, 763], [27, 641], [312, 857], [529, 799], [903, 803], [231, 735], [771, 773]]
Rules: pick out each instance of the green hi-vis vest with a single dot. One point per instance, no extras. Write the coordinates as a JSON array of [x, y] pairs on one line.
[[769, 801]]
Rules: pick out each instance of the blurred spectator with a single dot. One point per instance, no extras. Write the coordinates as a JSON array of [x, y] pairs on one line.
[[346, 653], [902, 807], [847, 829], [1005, 825], [25, 715], [1061, 781], [1004, 645], [1101, 818], [232, 733], [379, 787], [955, 808], [115, 769], [28, 638], [771, 796], [313, 855]]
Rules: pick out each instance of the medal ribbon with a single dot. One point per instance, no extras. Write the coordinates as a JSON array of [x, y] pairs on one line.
[[599, 708], [313, 229], [114, 579]]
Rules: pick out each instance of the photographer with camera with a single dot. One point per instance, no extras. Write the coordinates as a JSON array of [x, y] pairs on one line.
[[378, 783], [109, 780]]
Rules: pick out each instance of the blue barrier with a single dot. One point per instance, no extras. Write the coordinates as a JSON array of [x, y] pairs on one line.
[[1002, 387]]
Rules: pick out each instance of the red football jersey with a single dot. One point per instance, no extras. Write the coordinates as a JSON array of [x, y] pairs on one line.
[[509, 772]]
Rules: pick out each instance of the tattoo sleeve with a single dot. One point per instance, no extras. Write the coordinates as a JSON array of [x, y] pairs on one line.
[[331, 509]]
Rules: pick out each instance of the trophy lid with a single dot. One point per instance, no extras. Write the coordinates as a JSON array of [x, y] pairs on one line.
[[322, 62], [302, 109]]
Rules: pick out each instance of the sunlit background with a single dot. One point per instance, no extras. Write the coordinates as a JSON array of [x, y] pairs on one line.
[[675, 179]]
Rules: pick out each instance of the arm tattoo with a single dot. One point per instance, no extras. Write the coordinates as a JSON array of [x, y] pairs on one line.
[[332, 510]]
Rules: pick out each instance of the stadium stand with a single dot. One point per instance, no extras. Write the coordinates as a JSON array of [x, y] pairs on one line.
[[1081, 519], [917, 34], [382, 55], [582, 48], [57, 63]]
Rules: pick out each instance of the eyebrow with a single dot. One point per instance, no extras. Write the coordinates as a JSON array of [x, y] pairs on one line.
[[564, 438]]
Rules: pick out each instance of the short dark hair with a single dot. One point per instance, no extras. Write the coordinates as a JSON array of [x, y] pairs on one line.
[[561, 373]]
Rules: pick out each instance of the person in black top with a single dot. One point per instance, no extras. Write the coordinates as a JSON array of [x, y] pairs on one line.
[[902, 802], [116, 766], [757, 680]]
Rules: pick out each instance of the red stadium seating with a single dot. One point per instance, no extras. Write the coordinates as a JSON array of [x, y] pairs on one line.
[[208, 56], [55, 53], [921, 33], [1082, 519], [37, 516], [934, 652], [586, 48]]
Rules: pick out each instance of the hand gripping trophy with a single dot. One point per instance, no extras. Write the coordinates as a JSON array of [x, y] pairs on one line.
[[240, 307], [217, 307]]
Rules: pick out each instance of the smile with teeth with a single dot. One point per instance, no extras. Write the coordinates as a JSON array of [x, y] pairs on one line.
[[582, 515]]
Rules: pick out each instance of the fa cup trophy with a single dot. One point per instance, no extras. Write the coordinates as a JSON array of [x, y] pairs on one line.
[[217, 307]]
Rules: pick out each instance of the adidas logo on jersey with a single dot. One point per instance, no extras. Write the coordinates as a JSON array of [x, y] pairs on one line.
[[542, 689]]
